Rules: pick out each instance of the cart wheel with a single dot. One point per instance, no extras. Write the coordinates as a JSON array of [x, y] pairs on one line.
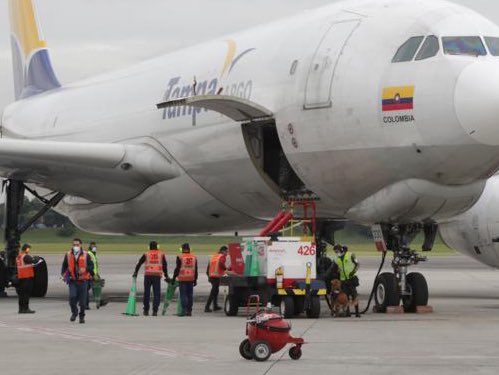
[[245, 349], [231, 305], [260, 351], [287, 307], [295, 352], [315, 308]]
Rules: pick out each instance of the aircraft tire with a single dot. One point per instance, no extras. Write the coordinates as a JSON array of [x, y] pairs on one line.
[[419, 292], [386, 291], [40, 282]]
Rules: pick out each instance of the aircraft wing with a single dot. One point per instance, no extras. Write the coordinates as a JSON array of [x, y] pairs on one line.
[[99, 172]]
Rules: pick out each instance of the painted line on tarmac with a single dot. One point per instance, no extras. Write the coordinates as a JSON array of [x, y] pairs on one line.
[[156, 350], [391, 358]]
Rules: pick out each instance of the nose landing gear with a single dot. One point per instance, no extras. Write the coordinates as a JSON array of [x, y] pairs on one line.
[[410, 288]]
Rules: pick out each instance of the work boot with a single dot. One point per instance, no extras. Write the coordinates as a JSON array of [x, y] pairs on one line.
[[82, 319], [146, 313], [73, 317], [217, 308], [357, 314], [207, 310], [29, 311], [103, 303], [154, 313], [188, 313]]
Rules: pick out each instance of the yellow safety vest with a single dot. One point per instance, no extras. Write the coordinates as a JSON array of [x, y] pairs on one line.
[[345, 265]]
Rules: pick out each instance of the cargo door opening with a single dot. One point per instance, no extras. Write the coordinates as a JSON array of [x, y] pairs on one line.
[[265, 150]]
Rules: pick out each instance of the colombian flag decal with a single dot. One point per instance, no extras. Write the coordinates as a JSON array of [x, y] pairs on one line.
[[398, 98]]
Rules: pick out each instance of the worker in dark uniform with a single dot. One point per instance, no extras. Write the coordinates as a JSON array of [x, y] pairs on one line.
[[97, 283], [155, 267], [186, 272], [77, 269], [345, 267], [91, 282], [215, 270], [26, 276]]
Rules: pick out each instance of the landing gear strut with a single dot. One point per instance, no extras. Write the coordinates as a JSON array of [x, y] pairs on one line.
[[8, 272], [411, 288]]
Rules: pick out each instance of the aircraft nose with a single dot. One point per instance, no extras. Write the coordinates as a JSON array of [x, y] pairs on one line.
[[476, 101]]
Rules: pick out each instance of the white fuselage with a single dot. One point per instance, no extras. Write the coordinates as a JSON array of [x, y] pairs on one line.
[[322, 74]]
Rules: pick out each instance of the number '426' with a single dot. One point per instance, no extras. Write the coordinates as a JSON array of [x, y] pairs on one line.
[[306, 250]]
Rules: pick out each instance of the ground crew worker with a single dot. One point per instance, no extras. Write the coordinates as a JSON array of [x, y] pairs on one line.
[[77, 269], [215, 270], [345, 266], [155, 267], [186, 272], [25, 274], [96, 283]]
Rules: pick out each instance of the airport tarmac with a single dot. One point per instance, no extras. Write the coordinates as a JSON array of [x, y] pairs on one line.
[[460, 337]]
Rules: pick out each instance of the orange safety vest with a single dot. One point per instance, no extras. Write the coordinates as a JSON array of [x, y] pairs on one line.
[[187, 267], [154, 264], [215, 270], [83, 274], [24, 271]]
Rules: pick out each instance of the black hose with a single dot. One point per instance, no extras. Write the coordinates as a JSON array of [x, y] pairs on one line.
[[374, 285]]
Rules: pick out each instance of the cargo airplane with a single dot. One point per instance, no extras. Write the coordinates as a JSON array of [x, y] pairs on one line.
[[382, 111]]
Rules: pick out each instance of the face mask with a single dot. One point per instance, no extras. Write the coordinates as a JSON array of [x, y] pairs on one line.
[[76, 249], [94, 249]]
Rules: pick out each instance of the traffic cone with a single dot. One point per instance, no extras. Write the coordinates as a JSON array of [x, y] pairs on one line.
[[170, 291], [131, 307]]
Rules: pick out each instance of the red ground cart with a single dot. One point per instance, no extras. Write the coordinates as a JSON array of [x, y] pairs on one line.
[[267, 333]]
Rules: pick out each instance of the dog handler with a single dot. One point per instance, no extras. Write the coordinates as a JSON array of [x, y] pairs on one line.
[[345, 265]]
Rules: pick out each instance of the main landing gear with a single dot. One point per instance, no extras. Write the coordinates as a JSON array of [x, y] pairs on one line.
[[393, 287], [13, 230]]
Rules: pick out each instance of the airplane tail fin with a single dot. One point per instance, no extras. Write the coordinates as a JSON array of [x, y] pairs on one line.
[[33, 72]]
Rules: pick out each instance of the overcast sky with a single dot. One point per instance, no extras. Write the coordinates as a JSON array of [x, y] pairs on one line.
[[88, 37]]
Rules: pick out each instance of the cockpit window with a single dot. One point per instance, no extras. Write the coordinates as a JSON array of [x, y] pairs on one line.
[[493, 44], [407, 50], [429, 48], [464, 45]]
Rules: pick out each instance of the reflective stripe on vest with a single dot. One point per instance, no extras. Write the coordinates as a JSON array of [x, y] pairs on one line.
[[154, 265], [215, 270], [83, 275], [187, 267], [24, 271], [345, 265]]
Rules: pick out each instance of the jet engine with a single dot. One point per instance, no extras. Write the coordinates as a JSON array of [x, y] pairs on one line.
[[476, 232]]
